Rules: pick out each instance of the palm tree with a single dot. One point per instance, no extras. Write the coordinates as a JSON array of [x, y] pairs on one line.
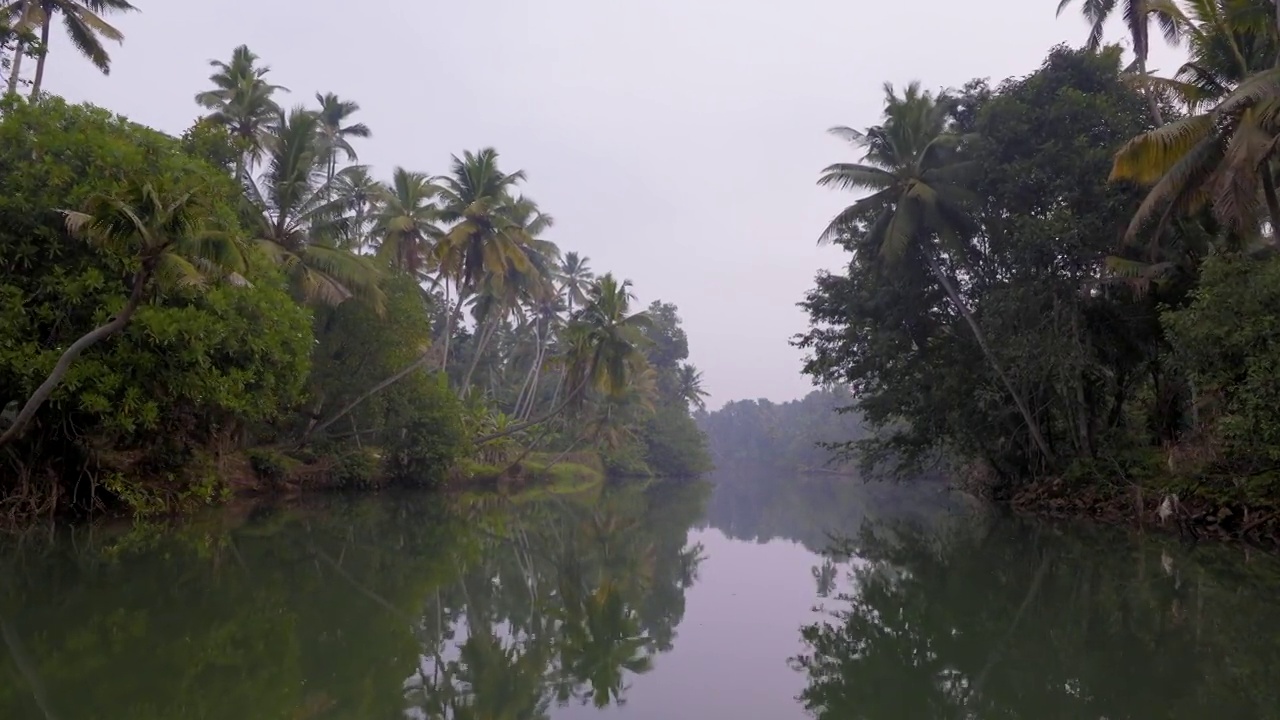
[[1221, 156], [915, 214], [689, 386], [575, 276], [360, 197], [1138, 15], [602, 349], [242, 102], [335, 137], [294, 220], [83, 22], [483, 240], [602, 642], [405, 223], [162, 233]]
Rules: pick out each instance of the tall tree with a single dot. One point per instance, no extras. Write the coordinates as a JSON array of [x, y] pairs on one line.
[[406, 221], [483, 240], [575, 276], [336, 137], [294, 220], [915, 214], [84, 25], [242, 101]]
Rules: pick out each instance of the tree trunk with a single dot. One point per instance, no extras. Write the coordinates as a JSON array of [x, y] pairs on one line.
[[528, 378], [537, 421], [91, 338], [19, 50], [44, 54], [537, 377], [486, 334], [370, 393], [1153, 101], [449, 323], [1032, 426]]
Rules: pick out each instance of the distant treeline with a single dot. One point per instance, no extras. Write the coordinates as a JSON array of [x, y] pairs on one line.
[[797, 435]]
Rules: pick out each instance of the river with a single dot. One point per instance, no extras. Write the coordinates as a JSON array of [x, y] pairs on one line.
[[744, 597]]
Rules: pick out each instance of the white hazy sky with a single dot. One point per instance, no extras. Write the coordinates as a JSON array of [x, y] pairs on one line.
[[675, 141]]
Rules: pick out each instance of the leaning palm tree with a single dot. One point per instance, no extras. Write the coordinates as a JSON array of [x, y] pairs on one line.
[[1138, 15], [162, 232], [295, 221], [915, 213], [84, 25], [242, 101], [335, 137], [405, 224], [601, 350]]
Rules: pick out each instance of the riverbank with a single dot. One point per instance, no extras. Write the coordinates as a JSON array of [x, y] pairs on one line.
[[1168, 505]]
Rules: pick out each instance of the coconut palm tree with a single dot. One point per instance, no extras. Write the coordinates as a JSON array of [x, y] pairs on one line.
[[336, 137], [915, 213], [575, 276], [1223, 156], [601, 349], [483, 239], [293, 219], [689, 386], [1138, 15], [162, 232], [405, 224], [242, 101], [360, 197], [84, 25]]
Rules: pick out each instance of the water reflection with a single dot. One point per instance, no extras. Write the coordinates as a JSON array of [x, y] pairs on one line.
[[1005, 619], [648, 600], [367, 608]]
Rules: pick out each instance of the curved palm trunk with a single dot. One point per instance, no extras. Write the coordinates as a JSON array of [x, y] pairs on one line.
[[1032, 426], [486, 334], [44, 54], [399, 375], [89, 339], [537, 421]]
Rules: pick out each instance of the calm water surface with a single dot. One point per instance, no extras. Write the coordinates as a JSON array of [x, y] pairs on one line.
[[658, 601]]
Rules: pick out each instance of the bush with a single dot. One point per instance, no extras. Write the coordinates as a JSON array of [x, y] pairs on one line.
[[432, 441], [1228, 339]]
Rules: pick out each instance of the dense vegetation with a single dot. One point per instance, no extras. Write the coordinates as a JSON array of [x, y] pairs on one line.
[[247, 304], [1070, 276]]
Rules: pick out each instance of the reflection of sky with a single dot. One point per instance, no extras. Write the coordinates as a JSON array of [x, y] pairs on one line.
[[741, 624]]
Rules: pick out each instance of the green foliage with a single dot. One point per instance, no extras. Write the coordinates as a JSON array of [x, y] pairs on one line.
[[431, 441], [1228, 338], [196, 365], [675, 446], [1042, 218]]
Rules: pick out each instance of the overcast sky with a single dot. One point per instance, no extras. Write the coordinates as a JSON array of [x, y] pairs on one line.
[[676, 142]]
